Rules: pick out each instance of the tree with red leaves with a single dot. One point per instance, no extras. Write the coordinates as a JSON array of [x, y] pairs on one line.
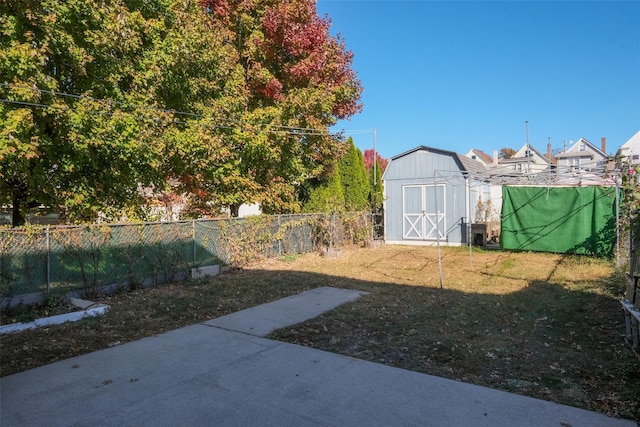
[[298, 82], [368, 160]]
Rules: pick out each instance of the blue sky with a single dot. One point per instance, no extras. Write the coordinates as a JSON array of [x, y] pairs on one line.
[[458, 75]]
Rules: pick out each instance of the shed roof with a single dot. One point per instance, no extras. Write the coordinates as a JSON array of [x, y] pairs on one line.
[[464, 163]]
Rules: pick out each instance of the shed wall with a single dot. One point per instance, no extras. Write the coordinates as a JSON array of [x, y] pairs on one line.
[[424, 168]]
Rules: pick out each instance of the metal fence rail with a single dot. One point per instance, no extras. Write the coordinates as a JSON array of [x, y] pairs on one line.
[[60, 259]]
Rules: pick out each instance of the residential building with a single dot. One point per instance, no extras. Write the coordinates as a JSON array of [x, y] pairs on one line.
[[527, 160], [482, 157], [583, 156], [631, 149]]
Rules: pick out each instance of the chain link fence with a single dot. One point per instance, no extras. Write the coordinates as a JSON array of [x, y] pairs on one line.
[[61, 259]]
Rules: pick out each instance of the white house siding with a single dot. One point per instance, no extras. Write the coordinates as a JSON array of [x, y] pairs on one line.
[[582, 155], [631, 149], [249, 210]]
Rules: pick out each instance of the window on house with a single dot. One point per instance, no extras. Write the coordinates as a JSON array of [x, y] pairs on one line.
[[583, 147]]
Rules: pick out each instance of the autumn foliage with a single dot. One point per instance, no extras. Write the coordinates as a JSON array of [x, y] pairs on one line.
[[285, 46], [368, 160], [223, 102]]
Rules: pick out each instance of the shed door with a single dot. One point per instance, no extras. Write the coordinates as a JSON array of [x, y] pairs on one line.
[[419, 217]]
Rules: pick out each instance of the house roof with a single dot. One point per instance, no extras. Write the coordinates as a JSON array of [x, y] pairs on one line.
[[632, 145], [521, 159], [574, 150], [481, 156], [518, 160], [470, 165], [473, 169]]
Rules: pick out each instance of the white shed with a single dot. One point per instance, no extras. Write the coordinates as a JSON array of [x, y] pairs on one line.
[[427, 197]]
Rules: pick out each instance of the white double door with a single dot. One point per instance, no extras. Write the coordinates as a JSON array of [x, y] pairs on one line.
[[423, 212]]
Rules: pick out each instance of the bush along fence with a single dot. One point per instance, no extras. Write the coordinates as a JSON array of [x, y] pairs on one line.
[[87, 260], [631, 302]]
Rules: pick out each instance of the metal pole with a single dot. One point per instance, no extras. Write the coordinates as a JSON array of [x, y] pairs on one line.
[[617, 223], [435, 196], [280, 239], [375, 160], [469, 227], [374, 197], [48, 260], [193, 236], [526, 125]]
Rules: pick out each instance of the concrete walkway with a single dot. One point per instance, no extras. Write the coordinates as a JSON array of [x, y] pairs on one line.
[[224, 373]]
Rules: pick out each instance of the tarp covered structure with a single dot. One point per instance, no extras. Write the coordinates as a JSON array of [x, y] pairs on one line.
[[578, 220]]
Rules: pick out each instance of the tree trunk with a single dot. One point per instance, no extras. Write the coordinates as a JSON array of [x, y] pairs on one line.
[[16, 216], [234, 210]]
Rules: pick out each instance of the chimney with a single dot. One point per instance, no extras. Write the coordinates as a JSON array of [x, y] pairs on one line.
[[604, 145], [549, 151], [495, 157]]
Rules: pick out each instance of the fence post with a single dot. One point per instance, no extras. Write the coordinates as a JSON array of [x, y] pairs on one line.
[[48, 260], [279, 239], [193, 234]]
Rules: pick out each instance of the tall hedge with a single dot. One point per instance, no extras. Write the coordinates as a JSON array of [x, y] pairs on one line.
[[325, 196], [353, 177]]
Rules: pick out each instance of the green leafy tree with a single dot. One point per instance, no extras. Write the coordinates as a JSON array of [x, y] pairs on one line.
[[325, 196], [92, 96], [507, 153], [353, 177], [81, 153], [127, 65], [193, 67], [299, 83], [376, 195]]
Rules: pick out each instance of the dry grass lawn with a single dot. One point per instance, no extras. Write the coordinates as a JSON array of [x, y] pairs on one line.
[[542, 325]]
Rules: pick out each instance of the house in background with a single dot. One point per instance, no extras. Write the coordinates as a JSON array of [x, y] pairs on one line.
[[583, 156], [527, 160], [427, 197], [631, 149], [486, 198], [483, 158]]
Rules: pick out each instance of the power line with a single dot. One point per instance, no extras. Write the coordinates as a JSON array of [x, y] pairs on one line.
[[358, 131], [290, 130], [58, 107], [80, 97]]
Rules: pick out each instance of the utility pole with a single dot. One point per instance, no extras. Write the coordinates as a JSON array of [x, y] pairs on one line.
[[375, 160], [526, 125]]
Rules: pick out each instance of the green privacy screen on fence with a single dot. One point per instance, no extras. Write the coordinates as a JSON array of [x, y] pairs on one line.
[[578, 220], [86, 258]]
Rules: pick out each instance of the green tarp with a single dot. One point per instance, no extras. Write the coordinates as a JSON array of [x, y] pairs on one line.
[[579, 220]]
